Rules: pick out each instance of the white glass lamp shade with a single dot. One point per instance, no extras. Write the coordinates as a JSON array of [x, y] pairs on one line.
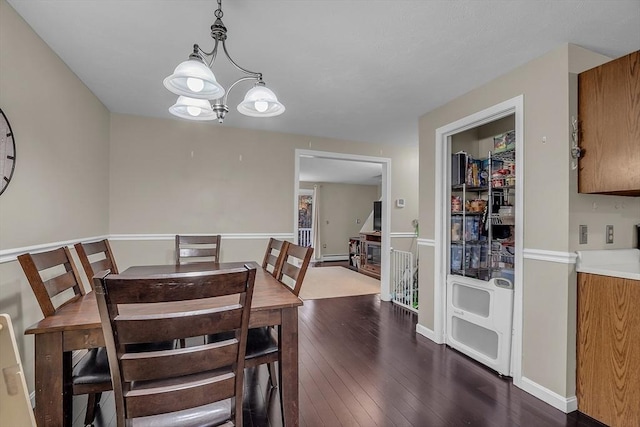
[[194, 79], [260, 102], [192, 109]]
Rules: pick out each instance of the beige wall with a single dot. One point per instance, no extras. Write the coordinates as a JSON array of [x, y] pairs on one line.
[[206, 178], [551, 206], [60, 187], [341, 205]]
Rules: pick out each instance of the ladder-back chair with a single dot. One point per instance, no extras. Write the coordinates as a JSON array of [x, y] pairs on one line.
[[198, 385], [55, 281]]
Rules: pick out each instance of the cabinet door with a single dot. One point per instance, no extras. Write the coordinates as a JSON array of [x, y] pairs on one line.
[[609, 112], [608, 349]]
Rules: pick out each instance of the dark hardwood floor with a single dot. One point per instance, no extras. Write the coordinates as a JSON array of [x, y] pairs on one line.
[[362, 364]]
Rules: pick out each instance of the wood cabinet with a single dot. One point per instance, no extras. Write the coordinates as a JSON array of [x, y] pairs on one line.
[[609, 116], [370, 258], [608, 349]]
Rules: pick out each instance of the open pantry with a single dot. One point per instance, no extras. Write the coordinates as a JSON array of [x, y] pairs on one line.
[[481, 242]]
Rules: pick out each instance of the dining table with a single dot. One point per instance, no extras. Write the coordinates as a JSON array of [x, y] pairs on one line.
[[77, 326]]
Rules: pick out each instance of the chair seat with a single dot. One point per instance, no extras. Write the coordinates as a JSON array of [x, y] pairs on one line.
[[93, 368], [260, 341], [214, 414]]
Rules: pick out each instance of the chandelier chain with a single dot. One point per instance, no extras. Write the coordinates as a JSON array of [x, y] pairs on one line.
[[218, 13]]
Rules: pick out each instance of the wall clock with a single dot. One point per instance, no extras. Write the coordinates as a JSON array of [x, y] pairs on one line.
[[7, 152]]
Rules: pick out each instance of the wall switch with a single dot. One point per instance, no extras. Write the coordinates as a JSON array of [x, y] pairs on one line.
[[324, 246], [609, 233], [583, 234]]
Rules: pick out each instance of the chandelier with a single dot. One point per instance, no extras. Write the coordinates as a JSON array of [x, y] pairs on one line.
[[201, 97]]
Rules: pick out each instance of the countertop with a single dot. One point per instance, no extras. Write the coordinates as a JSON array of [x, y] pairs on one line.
[[623, 263]]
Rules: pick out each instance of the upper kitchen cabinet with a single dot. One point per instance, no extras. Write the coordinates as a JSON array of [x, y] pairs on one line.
[[609, 115]]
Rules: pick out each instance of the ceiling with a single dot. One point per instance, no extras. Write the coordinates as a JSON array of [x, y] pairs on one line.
[[347, 69], [317, 169]]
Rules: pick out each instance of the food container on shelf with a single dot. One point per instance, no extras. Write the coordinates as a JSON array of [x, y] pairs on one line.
[[472, 228], [456, 229], [478, 205], [456, 257], [456, 204]]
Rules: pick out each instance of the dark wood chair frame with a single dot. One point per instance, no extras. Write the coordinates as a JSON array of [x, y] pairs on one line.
[[183, 379], [187, 254], [267, 352], [45, 290], [292, 271], [273, 260], [86, 250]]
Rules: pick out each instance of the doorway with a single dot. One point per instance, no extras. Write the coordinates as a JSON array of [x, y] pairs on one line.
[[515, 107], [305, 218], [385, 164]]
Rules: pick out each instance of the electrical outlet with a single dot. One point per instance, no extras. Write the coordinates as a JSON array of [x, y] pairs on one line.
[[583, 234], [609, 234], [324, 246]]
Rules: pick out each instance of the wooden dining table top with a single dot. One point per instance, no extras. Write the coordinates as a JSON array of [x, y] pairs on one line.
[[268, 294]]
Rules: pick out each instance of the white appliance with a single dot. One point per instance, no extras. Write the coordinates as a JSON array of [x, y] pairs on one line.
[[480, 320]]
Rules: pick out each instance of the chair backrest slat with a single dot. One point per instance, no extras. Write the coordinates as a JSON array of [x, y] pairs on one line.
[[176, 287], [49, 259], [60, 283], [183, 361], [167, 307], [198, 252], [65, 277], [197, 248], [144, 403], [144, 328]]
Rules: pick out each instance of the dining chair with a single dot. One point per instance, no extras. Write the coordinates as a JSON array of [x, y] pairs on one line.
[[199, 385], [262, 343], [274, 256], [101, 254], [294, 266], [56, 282], [197, 248], [103, 259]]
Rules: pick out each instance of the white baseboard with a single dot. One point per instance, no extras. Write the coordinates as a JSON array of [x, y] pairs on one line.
[[565, 404], [426, 332], [342, 257]]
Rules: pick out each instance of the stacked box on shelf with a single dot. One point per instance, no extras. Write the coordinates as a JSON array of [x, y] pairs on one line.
[[504, 142]]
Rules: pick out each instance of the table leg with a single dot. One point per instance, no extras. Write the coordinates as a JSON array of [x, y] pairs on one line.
[[289, 394], [49, 380]]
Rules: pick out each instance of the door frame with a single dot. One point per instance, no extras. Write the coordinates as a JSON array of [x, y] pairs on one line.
[[385, 267], [443, 160]]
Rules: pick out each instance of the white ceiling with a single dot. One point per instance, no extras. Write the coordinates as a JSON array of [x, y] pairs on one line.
[[348, 69], [316, 169]]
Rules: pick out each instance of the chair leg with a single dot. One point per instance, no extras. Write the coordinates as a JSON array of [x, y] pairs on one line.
[[92, 404], [272, 375]]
